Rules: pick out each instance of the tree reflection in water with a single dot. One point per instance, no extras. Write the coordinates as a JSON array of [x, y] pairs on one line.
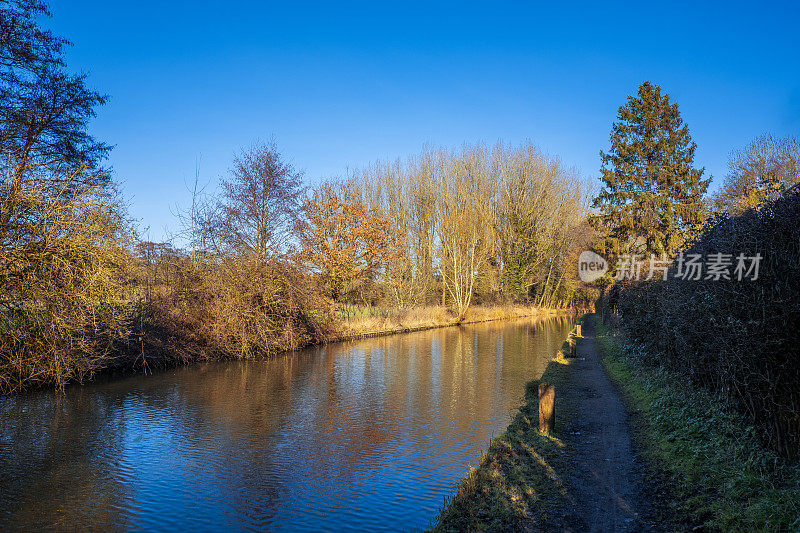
[[370, 434]]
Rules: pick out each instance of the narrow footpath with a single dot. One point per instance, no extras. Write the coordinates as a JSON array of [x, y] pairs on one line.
[[607, 478]]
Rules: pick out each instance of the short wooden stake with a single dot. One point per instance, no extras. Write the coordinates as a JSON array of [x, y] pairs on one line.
[[547, 415], [572, 348], [578, 327]]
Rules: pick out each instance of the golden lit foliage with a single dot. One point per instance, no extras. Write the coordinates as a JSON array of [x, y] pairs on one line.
[[59, 220], [464, 223], [257, 308], [477, 222], [60, 281]]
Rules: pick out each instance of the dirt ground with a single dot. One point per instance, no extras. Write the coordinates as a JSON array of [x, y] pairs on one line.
[[607, 480]]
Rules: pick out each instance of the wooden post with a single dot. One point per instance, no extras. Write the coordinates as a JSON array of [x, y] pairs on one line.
[[547, 415], [572, 349], [578, 327]]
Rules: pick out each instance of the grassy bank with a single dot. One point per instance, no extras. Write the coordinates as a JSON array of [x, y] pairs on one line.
[[371, 322], [709, 467], [517, 485]]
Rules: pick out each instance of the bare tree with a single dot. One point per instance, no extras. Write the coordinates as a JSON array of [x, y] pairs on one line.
[[387, 189], [464, 190], [196, 220], [259, 203], [766, 166], [486, 221], [61, 226], [539, 201], [422, 205]]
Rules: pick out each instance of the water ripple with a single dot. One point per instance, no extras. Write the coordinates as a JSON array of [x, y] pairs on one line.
[[365, 435]]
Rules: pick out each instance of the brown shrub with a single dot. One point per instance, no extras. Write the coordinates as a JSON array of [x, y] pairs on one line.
[[60, 285], [241, 307]]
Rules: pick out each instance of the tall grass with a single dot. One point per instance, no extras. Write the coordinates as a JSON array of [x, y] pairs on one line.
[[367, 321]]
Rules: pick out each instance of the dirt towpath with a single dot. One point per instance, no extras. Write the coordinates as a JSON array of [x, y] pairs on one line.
[[607, 478]]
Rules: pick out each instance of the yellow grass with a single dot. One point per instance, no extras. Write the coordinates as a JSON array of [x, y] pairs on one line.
[[420, 318]]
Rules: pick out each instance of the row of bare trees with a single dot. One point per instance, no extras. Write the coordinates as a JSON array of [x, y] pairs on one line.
[[501, 223], [448, 227]]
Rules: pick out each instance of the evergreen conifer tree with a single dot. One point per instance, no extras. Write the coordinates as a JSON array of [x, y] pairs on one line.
[[652, 196]]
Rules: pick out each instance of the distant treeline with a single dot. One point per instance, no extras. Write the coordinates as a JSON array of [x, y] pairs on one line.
[[269, 261]]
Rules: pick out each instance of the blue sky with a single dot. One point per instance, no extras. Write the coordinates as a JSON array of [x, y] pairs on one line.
[[340, 86]]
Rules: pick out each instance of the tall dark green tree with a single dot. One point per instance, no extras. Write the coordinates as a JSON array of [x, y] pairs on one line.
[[652, 196]]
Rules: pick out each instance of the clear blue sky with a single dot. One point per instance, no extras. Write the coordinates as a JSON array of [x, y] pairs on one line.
[[340, 86]]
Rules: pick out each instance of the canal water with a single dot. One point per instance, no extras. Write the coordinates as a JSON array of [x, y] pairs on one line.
[[365, 435]]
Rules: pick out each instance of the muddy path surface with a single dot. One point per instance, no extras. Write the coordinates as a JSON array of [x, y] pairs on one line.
[[607, 478]]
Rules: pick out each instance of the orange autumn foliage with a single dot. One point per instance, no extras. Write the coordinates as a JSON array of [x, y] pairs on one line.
[[346, 244]]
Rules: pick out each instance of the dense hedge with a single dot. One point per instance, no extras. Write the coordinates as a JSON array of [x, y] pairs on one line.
[[739, 339]]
